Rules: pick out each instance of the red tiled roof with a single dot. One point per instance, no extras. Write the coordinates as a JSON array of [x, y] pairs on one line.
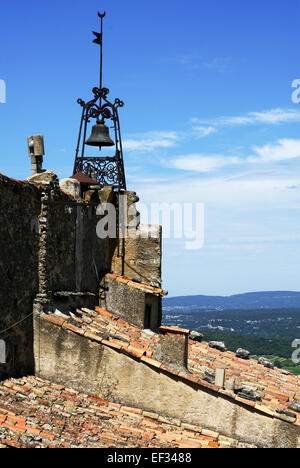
[[106, 328], [14, 180], [134, 284], [36, 413], [164, 330], [277, 390], [84, 179]]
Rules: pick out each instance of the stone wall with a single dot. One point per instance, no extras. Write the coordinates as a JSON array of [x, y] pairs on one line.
[[138, 250], [154, 305], [142, 259], [173, 347], [19, 257], [137, 254], [49, 249], [131, 303], [71, 257], [77, 362], [73, 253], [48, 244]]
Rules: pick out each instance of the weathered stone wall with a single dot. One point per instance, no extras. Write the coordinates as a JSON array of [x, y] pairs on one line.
[[124, 301], [173, 350], [48, 244], [137, 254], [61, 245], [73, 260], [19, 245], [156, 310], [49, 248], [142, 259], [71, 257], [77, 362], [131, 303]]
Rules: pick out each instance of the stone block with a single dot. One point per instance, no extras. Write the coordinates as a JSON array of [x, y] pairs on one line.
[[196, 336], [220, 377], [45, 177], [242, 353], [71, 187], [266, 363], [219, 345], [174, 348]]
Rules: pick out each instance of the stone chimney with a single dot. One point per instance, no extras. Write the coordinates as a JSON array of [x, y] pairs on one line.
[[36, 152], [174, 347]]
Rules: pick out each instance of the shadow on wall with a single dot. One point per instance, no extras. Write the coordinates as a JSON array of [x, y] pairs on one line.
[[20, 208], [16, 350]]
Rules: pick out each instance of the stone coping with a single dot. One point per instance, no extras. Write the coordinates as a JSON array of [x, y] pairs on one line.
[[164, 330], [147, 288]]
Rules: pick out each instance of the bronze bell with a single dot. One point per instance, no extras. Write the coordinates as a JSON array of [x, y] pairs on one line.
[[100, 136]]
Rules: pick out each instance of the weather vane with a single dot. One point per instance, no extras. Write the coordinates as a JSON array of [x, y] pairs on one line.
[[106, 170]]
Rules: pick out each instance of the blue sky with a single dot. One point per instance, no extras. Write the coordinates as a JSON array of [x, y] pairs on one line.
[[208, 118]]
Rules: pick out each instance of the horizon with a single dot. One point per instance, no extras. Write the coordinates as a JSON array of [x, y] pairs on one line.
[[211, 116], [231, 295]]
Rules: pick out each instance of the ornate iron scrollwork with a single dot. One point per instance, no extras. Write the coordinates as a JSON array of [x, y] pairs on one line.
[[106, 172]]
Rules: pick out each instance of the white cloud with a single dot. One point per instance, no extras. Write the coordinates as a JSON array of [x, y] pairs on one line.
[[283, 150], [183, 59], [151, 141], [258, 239], [219, 64], [270, 117], [239, 120], [146, 145], [202, 132], [223, 193], [202, 162], [275, 116]]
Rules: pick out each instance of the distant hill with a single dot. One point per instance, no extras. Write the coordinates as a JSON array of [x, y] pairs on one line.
[[247, 301]]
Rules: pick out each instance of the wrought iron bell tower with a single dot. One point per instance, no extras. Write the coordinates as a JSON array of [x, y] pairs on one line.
[[106, 170]]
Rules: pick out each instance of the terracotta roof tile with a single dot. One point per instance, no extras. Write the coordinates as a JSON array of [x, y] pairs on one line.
[[276, 390], [67, 419], [147, 288], [84, 179], [173, 330]]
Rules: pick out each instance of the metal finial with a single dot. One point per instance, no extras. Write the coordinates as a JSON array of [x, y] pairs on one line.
[[99, 41]]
